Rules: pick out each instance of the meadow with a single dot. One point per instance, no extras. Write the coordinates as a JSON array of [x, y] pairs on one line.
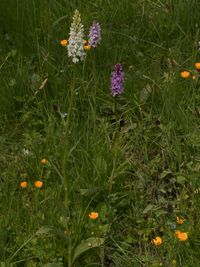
[[89, 177]]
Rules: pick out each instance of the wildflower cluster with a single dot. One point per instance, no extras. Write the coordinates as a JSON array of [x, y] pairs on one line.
[[76, 45], [38, 183], [181, 235], [186, 74]]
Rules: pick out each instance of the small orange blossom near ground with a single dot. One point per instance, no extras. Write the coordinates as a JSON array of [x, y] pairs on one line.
[[38, 184], [44, 161], [179, 220], [185, 74], [182, 236], [157, 241], [23, 184], [93, 215], [64, 43], [197, 65]]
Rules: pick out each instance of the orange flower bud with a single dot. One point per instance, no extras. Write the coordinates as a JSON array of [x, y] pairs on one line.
[[87, 47], [157, 241], [179, 220], [64, 43], [38, 184], [197, 65], [23, 184], [182, 236], [93, 215], [185, 74], [44, 161]]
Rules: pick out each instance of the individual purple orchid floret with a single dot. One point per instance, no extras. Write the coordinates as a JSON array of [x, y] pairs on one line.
[[95, 34], [117, 80]]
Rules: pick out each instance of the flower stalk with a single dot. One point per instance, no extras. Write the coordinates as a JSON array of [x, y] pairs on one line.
[[66, 141]]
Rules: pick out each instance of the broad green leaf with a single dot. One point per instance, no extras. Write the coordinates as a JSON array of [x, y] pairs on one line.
[[165, 173], [180, 179], [19, 98], [85, 192], [148, 208], [43, 230], [87, 244]]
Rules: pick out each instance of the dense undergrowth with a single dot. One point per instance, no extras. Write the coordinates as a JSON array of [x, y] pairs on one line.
[[132, 159]]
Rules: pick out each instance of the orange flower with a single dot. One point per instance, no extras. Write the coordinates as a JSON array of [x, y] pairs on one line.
[[157, 241], [179, 220], [182, 236], [24, 184], [193, 77], [44, 161], [38, 184], [87, 47], [185, 74], [197, 65], [93, 215], [64, 43]]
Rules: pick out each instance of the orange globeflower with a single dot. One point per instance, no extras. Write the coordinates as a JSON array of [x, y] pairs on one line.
[[87, 47], [38, 184], [182, 236], [93, 215], [24, 184], [157, 241], [185, 74], [179, 220], [64, 42], [197, 65], [44, 161]]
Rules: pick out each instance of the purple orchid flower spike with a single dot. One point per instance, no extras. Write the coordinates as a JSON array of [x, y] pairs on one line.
[[117, 80], [95, 34]]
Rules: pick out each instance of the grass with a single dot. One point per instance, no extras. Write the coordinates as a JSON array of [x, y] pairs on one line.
[[135, 162]]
